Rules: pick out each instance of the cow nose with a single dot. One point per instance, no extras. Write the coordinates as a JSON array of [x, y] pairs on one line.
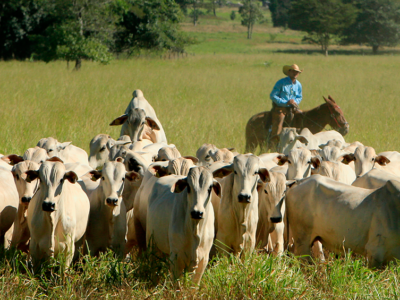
[[197, 215], [276, 219], [112, 201], [48, 206], [244, 198], [26, 199]]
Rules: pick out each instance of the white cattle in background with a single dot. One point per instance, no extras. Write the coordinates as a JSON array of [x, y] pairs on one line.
[[335, 170], [99, 149], [67, 152], [374, 179], [107, 219], [289, 139], [180, 220], [346, 217], [299, 163], [365, 159], [57, 214], [140, 121], [209, 153], [238, 211]]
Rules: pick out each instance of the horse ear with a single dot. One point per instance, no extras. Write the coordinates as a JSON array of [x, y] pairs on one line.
[[326, 100], [330, 98]]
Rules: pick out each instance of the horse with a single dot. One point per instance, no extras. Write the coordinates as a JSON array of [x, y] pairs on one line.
[[257, 128]]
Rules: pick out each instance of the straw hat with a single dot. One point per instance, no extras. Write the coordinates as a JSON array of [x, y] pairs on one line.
[[295, 67]]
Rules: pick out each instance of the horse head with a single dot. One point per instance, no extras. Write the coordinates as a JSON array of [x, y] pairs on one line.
[[337, 119]]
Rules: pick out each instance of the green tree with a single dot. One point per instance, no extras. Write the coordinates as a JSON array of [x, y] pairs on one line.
[[323, 20], [250, 13], [85, 32], [280, 12], [150, 24], [233, 15], [377, 24]]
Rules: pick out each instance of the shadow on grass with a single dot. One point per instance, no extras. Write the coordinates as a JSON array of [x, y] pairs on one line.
[[340, 52]]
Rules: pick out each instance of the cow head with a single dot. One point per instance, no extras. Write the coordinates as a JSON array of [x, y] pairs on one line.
[[26, 190], [198, 185], [300, 162], [53, 177], [289, 139], [37, 154], [167, 153], [113, 175], [246, 171], [364, 159], [52, 146], [137, 121], [177, 166]]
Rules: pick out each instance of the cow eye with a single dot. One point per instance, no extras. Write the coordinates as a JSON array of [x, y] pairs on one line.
[[309, 162], [62, 181], [188, 189], [256, 172], [17, 176], [123, 178], [373, 159], [289, 162], [235, 172], [102, 178], [164, 159], [207, 157], [354, 159], [142, 123], [209, 190], [102, 149], [51, 150], [291, 141], [265, 191], [41, 161]]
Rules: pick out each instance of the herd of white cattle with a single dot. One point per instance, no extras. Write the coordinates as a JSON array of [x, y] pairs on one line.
[[318, 192]]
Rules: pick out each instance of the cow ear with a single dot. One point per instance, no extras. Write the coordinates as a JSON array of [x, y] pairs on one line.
[[152, 124], [217, 188], [260, 185], [347, 158], [314, 152], [31, 175], [322, 146], [195, 160], [264, 175], [282, 159], [133, 176], [54, 159], [71, 176], [302, 139], [94, 174], [120, 120], [64, 145], [315, 162], [158, 171], [382, 160], [179, 185], [224, 171], [230, 149], [290, 183], [12, 159]]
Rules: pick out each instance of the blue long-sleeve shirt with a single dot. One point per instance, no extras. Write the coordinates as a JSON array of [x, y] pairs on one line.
[[284, 90]]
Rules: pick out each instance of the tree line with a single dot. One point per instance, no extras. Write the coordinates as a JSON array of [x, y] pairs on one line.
[[375, 23]]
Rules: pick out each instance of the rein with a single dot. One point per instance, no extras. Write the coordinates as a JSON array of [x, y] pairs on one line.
[[334, 118]]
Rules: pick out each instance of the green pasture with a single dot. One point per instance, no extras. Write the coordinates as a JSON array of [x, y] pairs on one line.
[[199, 99]]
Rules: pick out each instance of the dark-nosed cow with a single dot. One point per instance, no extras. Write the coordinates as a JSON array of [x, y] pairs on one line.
[[58, 213]]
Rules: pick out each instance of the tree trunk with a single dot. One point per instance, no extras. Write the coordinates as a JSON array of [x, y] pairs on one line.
[[78, 64], [194, 13], [375, 49]]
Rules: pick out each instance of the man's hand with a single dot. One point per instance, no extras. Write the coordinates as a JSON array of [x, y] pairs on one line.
[[293, 103]]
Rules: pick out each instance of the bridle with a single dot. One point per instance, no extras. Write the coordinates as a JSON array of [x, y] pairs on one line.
[[334, 117]]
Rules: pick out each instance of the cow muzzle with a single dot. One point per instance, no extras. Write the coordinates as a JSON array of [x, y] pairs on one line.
[[196, 215], [48, 206], [112, 201], [276, 219], [26, 200], [244, 198]]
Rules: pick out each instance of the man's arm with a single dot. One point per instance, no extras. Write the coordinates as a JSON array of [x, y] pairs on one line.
[[276, 93], [299, 94]]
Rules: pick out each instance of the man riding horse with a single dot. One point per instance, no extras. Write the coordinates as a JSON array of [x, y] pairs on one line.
[[286, 97]]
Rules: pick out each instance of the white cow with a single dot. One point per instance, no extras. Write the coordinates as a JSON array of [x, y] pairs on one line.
[[374, 179], [178, 166], [67, 152], [209, 153], [335, 170], [238, 211], [346, 217], [36, 154], [270, 160], [107, 220], [180, 220], [26, 191], [365, 159], [8, 205], [58, 213], [300, 162], [290, 139], [140, 121], [270, 229]]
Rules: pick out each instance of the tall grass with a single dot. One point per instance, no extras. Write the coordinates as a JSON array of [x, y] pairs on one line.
[[199, 99]]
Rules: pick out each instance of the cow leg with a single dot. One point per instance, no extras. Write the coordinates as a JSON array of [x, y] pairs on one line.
[[35, 254], [176, 266], [140, 235], [200, 270], [69, 250], [277, 239], [318, 251]]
